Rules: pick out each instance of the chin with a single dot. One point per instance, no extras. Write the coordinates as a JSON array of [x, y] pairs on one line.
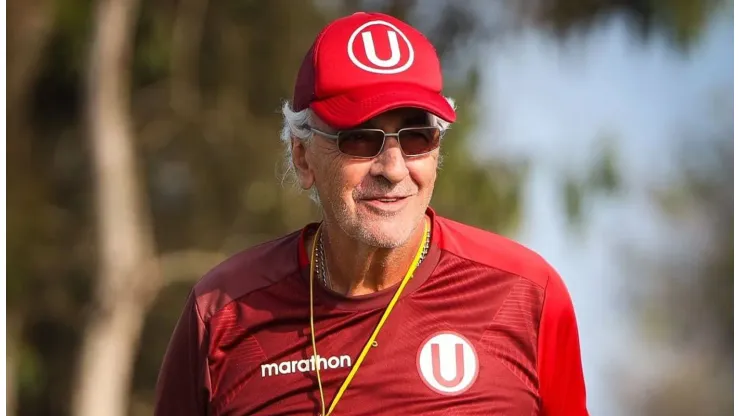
[[385, 233], [377, 229], [374, 238]]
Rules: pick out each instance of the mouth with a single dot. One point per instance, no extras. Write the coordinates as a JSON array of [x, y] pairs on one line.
[[385, 203]]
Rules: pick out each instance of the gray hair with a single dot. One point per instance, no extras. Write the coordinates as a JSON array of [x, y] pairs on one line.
[[295, 126]]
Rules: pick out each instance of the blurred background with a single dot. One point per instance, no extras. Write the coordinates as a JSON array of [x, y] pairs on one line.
[[142, 144]]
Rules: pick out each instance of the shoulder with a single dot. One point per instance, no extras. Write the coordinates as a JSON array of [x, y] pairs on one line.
[[246, 272], [495, 251]]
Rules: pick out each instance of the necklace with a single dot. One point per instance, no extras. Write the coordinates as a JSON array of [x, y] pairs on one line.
[[423, 247], [321, 257]]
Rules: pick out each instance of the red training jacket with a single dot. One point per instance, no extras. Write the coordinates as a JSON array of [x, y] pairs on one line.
[[485, 327]]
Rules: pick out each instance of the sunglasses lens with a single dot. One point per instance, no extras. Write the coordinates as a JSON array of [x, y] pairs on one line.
[[368, 143], [417, 141], [360, 143]]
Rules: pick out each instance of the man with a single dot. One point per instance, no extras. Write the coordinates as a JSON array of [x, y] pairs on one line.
[[384, 308]]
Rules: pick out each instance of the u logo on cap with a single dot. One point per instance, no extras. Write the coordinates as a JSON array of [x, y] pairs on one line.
[[400, 58]]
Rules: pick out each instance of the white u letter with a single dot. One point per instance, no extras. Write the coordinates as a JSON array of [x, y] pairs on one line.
[[367, 40]]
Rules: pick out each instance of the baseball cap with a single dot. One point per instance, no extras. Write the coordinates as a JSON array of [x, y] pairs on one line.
[[365, 64]]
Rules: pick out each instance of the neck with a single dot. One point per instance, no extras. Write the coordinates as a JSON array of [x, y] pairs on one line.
[[354, 268]]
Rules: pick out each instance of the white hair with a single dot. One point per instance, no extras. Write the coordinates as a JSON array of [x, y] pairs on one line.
[[295, 125]]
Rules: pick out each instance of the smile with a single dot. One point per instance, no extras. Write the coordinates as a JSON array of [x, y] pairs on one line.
[[385, 204]]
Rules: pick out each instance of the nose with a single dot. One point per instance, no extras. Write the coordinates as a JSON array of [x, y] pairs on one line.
[[390, 163]]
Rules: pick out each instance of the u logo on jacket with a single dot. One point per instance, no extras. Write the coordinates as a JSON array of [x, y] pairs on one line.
[[447, 363]]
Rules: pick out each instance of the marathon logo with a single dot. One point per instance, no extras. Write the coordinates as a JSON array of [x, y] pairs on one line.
[[302, 366]]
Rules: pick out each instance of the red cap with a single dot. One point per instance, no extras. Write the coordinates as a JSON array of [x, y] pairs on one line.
[[368, 63]]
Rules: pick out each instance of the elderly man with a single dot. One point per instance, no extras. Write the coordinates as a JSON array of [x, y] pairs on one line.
[[384, 307]]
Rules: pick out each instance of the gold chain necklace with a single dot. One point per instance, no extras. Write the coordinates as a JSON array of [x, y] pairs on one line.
[[321, 256], [423, 248]]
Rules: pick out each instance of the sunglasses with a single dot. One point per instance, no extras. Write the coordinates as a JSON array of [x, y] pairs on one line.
[[368, 143]]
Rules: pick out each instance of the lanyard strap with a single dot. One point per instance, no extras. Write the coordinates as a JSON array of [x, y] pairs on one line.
[[375, 333]]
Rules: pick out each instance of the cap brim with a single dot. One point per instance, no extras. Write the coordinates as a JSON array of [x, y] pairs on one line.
[[360, 105]]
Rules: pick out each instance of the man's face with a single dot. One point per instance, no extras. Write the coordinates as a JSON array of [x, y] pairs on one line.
[[378, 201]]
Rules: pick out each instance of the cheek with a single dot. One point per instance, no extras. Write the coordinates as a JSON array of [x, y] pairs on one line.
[[423, 173], [341, 177], [350, 178]]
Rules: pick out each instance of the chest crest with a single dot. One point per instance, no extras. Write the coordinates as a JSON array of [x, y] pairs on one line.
[[447, 363]]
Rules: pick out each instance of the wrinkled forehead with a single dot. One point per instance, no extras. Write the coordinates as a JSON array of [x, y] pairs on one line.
[[399, 118]]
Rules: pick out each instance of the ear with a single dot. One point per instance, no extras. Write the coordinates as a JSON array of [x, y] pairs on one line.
[[299, 150]]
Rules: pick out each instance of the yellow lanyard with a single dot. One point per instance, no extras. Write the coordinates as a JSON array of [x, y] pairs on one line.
[[370, 341]]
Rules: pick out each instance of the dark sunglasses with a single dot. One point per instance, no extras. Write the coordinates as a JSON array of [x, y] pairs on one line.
[[368, 143]]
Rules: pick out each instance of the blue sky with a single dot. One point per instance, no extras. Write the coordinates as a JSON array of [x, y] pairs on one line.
[[551, 103]]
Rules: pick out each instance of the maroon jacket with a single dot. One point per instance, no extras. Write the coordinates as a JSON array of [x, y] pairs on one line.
[[485, 327]]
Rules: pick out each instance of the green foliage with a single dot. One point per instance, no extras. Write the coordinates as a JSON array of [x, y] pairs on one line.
[[705, 196], [158, 327], [605, 173], [681, 20], [602, 179], [31, 372], [72, 30], [685, 19], [152, 45], [484, 193], [683, 299], [573, 199]]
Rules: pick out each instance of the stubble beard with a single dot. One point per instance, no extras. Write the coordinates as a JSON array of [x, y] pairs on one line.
[[389, 234]]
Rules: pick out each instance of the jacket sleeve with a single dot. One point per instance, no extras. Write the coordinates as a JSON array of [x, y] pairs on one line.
[[562, 386], [183, 385]]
